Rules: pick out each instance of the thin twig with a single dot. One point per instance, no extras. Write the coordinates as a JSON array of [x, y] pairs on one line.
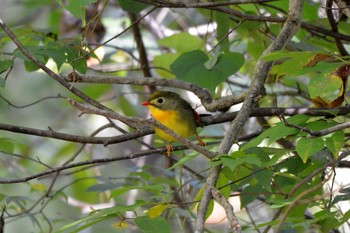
[[317, 133], [186, 4], [143, 58], [58, 96], [83, 163], [232, 218], [334, 26], [143, 131], [304, 181]]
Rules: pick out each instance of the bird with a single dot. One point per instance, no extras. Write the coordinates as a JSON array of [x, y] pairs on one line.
[[177, 114]]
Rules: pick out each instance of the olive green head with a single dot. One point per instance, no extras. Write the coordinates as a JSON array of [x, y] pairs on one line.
[[166, 100]]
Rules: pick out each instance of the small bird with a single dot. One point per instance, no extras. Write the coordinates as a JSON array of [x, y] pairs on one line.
[[175, 113]]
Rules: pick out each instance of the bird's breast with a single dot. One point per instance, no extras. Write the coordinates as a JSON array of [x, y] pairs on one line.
[[185, 126]]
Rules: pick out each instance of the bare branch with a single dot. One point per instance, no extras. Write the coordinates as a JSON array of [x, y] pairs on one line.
[[202, 93], [143, 59], [135, 121], [343, 5], [232, 218], [83, 163], [58, 96], [334, 26], [143, 131], [75, 138], [250, 17], [188, 4]]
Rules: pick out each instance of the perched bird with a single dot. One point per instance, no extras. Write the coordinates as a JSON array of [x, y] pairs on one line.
[[175, 113]]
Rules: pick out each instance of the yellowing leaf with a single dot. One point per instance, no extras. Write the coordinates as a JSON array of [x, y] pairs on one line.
[[120, 225], [157, 210], [324, 86], [38, 187]]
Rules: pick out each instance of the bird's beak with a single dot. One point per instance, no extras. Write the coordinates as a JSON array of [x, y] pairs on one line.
[[146, 103]]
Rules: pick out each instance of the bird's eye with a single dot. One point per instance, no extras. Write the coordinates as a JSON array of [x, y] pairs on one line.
[[160, 100]]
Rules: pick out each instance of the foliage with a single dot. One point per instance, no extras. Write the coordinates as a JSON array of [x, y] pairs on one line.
[[62, 171]]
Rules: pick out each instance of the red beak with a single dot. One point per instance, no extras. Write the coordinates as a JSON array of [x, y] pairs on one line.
[[145, 103]]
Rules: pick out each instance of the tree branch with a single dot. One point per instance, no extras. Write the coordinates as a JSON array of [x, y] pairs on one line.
[[249, 17], [334, 26], [232, 218], [153, 123], [203, 94], [187, 4], [76, 138], [83, 163], [318, 133], [256, 90], [143, 59], [143, 131]]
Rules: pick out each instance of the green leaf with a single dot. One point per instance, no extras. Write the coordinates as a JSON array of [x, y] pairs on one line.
[[182, 42], [340, 198], [335, 142], [321, 157], [5, 65], [76, 190], [190, 67], [75, 59], [56, 51], [196, 202], [276, 153], [77, 7], [102, 187], [6, 146], [152, 225], [187, 62], [2, 81], [297, 60], [183, 160], [155, 188], [162, 62], [329, 220], [232, 161], [222, 182], [250, 193], [97, 216], [239, 157], [223, 29], [132, 6], [229, 63], [320, 124], [265, 178], [278, 131], [309, 146], [286, 54]]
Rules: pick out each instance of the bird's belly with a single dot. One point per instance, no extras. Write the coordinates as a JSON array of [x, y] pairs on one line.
[[175, 122]]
